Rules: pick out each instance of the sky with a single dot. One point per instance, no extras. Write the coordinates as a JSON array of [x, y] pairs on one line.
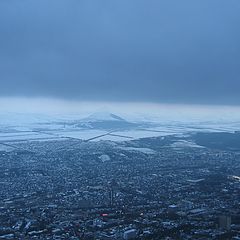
[[144, 51]]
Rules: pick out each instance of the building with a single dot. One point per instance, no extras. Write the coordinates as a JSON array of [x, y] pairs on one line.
[[225, 222]]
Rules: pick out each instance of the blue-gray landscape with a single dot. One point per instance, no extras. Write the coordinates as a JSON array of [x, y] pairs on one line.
[[119, 119]]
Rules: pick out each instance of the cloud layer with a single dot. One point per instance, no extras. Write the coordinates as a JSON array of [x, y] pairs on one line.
[[150, 51]]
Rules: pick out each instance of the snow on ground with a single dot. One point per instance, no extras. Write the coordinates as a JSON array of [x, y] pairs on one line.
[[111, 138], [143, 150], [184, 144], [6, 148], [104, 158], [21, 127], [136, 134], [81, 134], [9, 137]]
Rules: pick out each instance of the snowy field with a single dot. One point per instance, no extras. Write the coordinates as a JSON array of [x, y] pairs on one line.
[[38, 128], [97, 135]]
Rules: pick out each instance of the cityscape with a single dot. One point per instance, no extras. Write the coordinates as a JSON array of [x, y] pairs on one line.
[[177, 186], [119, 120]]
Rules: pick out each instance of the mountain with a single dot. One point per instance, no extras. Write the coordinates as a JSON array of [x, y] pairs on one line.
[[103, 116], [106, 121]]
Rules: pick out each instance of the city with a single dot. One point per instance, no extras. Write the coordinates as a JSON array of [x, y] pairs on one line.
[[119, 120], [71, 189]]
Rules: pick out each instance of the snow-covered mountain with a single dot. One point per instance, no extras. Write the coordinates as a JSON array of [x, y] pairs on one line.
[[103, 116], [105, 120]]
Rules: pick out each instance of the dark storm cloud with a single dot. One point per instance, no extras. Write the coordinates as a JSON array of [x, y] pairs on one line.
[[129, 50]]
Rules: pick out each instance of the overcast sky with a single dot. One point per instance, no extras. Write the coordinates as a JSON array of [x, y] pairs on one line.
[[121, 50]]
